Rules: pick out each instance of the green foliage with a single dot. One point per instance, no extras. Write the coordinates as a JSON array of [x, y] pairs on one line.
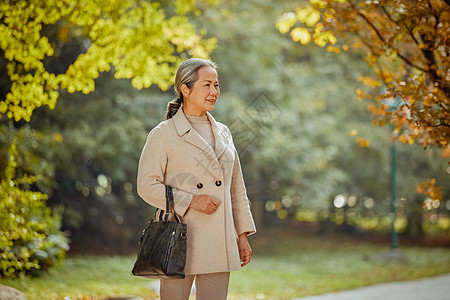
[[36, 152], [30, 240], [137, 38]]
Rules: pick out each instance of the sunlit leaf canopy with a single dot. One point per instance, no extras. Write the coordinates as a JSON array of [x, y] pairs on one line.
[[138, 39], [407, 45]]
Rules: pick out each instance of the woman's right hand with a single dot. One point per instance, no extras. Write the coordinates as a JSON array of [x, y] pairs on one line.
[[204, 204]]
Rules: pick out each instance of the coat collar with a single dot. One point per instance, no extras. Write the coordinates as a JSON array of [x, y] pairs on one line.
[[221, 138]]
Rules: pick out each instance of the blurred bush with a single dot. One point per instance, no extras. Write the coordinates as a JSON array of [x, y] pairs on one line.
[[30, 240]]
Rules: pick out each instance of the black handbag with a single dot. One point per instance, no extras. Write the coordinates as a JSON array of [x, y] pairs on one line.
[[162, 247]]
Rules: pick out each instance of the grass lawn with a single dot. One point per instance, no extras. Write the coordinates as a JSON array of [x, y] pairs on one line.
[[302, 266], [283, 267]]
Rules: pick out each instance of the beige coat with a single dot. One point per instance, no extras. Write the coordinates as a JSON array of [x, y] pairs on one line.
[[176, 155]]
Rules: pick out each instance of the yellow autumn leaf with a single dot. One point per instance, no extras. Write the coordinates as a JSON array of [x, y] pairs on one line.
[[360, 94], [429, 187], [303, 13], [369, 81], [312, 18], [362, 142], [356, 44], [322, 38], [333, 49], [318, 3], [318, 28], [285, 23], [365, 143], [300, 34], [331, 38]]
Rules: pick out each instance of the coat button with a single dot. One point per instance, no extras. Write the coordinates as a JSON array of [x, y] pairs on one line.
[[218, 182], [199, 185]]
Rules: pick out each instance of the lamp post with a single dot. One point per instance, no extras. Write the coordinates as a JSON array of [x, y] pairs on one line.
[[393, 104], [394, 254], [394, 236]]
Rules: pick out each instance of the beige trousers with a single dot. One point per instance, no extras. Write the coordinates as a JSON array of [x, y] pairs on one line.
[[207, 286]]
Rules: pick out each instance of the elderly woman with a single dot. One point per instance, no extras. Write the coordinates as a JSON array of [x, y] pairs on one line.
[[195, 155]]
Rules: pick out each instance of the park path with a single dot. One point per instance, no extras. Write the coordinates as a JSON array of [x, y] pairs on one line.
[[434, 288]]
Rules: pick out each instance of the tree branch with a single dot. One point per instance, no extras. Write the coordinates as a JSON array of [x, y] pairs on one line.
[[369, 22], [385, 42], [388, 14], [409, 62], [411, 33], [435, 14], [429, 55], [383, 8], [382, 73], [429, 5]]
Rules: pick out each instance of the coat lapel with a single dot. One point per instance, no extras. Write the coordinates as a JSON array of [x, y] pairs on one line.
[[221, 139]]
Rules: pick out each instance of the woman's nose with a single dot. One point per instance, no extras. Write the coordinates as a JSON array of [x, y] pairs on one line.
[[213, 90]]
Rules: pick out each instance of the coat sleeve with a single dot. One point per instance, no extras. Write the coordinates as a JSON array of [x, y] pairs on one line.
[[151, 175], [242, 215]]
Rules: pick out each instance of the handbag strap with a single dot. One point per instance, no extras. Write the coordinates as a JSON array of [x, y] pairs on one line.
[[169, 202]]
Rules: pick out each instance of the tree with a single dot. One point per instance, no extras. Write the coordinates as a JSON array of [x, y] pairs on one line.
[[405, 43], [50, 47], [140, 39]]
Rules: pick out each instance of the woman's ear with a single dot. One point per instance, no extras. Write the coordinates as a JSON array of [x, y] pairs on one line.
[[185, 90]]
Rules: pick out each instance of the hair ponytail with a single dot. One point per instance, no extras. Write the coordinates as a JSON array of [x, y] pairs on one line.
[[172, 108], [187, 74]]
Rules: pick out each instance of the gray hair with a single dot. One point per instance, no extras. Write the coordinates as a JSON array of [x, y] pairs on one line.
[[187, 73]]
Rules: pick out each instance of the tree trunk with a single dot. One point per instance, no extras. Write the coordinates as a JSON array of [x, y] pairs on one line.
[[414, 229]]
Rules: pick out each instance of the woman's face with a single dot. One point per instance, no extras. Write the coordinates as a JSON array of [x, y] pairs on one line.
[[204, 93]]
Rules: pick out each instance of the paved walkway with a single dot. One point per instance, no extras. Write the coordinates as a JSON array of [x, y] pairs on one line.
[[434, 288]]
